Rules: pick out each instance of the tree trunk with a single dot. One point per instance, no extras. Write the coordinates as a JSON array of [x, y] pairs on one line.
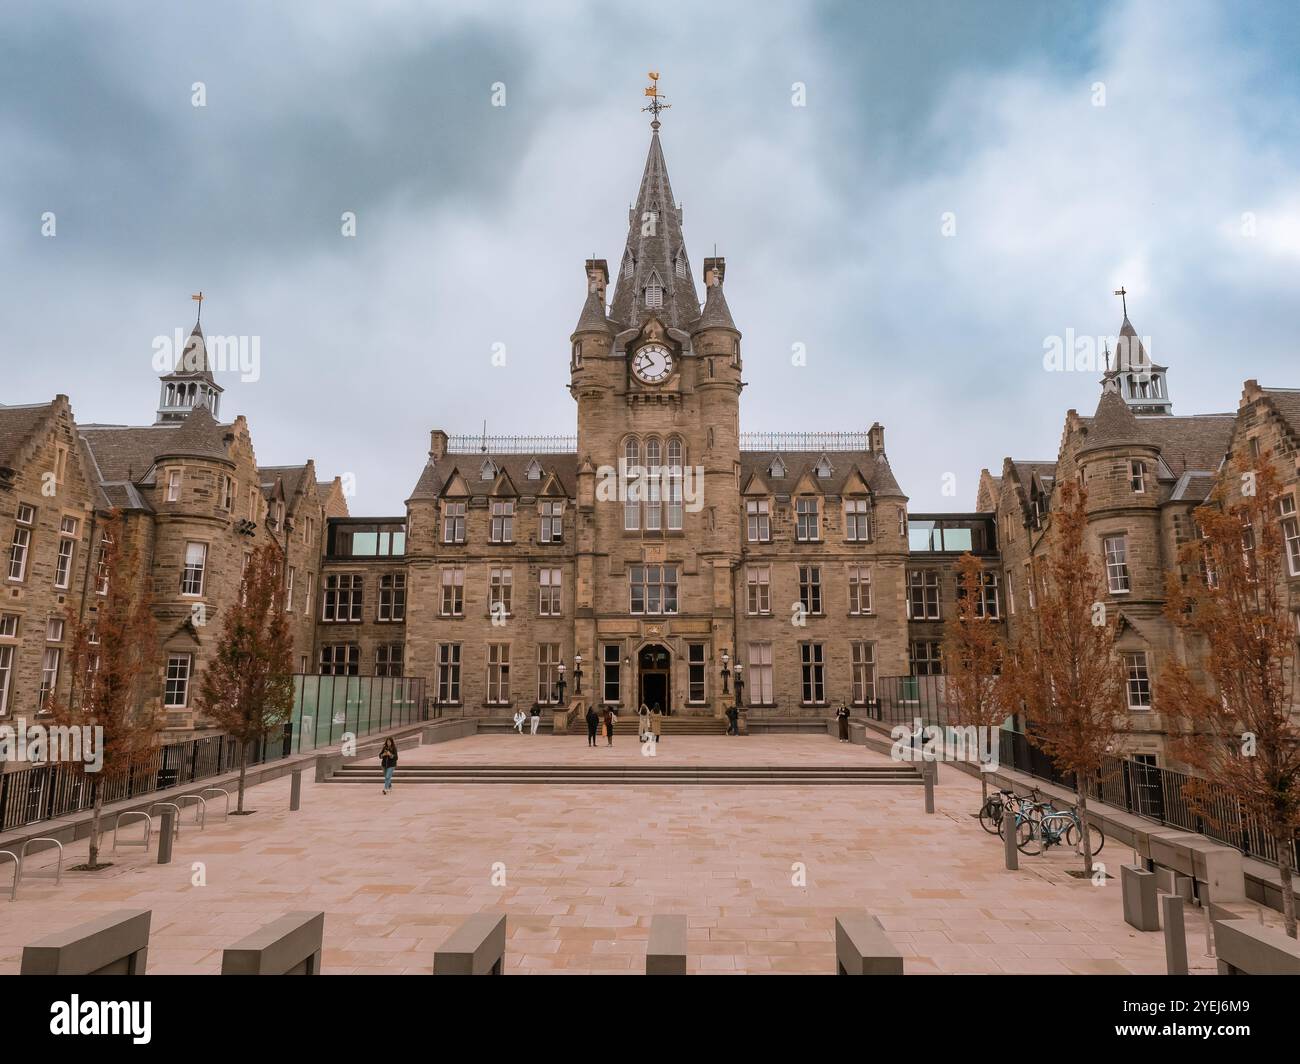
[[984, 788], [94, 827], [1085, 840], [243, 772], [1285, 851]]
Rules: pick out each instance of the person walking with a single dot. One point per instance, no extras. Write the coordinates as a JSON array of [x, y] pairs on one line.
[[842, 715], [643, 723], [611, 718], [388, 761], [733, 721], [537, 716], [656, 723], [593, 722]]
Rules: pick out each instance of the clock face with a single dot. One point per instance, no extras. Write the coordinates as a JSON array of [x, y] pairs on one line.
[[653, 364]]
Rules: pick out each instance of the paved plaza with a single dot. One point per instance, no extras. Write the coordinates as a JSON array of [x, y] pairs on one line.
[[760, 872]]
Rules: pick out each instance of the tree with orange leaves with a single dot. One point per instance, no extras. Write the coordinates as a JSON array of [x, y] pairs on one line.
[[1065, 673], [1237, 721], [974, 653], [247, 688], [113, 652]]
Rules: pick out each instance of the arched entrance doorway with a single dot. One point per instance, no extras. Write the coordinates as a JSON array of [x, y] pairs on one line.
[[654, 674]]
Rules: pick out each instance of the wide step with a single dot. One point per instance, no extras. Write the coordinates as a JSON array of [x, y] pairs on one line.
[[734, 775]]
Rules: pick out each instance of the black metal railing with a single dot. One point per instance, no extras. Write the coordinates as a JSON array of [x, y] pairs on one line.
[[325, 708]]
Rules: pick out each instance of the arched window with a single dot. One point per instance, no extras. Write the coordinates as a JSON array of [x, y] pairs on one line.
[[632, 481], [674, 488], [654, 485]]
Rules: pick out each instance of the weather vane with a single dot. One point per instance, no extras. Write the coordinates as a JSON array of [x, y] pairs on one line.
[[198, 298], [1122, 292], [656, 103]]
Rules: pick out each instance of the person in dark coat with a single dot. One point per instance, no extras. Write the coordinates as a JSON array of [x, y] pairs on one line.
[[593, 724], [610, 721], [842, 715], [388, 761], [733, 719]]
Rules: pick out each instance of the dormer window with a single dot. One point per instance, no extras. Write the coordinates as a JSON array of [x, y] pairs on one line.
[[629, 264], [654, 292], [488, 470], [776, 468], [534, 470], [679, 264], [823, 468]]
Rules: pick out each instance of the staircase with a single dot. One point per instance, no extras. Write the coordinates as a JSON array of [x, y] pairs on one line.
[[640, 774]]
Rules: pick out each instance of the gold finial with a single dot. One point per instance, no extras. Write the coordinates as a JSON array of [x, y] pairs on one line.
[[198, 298], [656, 103]]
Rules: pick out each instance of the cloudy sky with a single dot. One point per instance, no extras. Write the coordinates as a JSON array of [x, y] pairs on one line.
[[965, 182]]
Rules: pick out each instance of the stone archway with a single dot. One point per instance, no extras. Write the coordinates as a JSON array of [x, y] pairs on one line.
[[654, 676]]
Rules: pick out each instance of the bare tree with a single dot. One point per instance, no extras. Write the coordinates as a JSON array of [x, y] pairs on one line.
[[114, 649], [1237, 722], [247, 688]]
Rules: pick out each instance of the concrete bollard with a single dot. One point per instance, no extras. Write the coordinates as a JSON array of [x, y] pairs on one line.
[[166, 836], [1171, 914], [1138, 892], [295, 791], [928, 772], [1009, 837]]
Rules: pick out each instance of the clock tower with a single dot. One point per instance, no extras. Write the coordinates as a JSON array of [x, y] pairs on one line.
[[656, 374]]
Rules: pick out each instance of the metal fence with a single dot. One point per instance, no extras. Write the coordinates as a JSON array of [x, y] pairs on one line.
[[325, 707], [1148, 791]]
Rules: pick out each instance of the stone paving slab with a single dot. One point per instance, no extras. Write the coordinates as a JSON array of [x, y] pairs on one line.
[[585, 868]]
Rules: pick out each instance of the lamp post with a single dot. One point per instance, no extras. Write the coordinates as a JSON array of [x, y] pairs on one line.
[[740, 683], [559, 684], [726, 672], [577, 673]]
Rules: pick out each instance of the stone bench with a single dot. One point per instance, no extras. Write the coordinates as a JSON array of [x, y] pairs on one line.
[[477, 947], [665, 952], [116, 944], [1245, 948], [290, 945], [863, 948]]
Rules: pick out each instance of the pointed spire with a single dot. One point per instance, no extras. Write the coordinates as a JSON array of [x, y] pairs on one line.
[[654, 245], [1131, 374], [593, 315], [716, 313]]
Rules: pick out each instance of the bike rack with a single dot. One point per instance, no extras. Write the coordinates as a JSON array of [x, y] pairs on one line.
[[148, 829], [217, 790], [176, 828], [200, 809], [13, 893], [58, 868]]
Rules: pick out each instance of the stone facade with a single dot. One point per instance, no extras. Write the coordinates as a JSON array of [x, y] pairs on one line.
[[658, 554]]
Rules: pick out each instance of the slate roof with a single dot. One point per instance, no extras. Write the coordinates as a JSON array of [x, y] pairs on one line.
[[125, 452], [656, 253], [291, 475], [1286, 401], [874, 468], [434, 476], [17, 425]]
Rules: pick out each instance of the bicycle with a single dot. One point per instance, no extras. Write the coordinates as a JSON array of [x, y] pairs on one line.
[[1053, 827], [990, 813]]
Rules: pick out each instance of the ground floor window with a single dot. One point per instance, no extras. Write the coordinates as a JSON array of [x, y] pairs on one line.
[[613, 671], [340, 659], [548, 674], [176, 691], [926, 657], [498, 673], [696, 673], [388, 659], [449, 673], [760, 674], [864, 673], [814, 673]]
